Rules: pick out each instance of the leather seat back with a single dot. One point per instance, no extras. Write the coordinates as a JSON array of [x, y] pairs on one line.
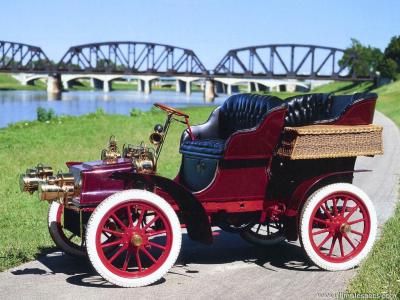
[[244, 111], [307, 109]]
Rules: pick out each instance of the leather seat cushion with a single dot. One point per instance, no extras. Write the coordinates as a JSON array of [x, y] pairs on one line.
[[203, 148], [244, 111]]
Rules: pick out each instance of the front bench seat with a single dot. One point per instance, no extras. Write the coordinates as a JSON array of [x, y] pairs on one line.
[[239, 112]]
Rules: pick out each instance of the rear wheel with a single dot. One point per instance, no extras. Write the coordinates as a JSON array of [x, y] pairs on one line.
[[267, 234], [133, 238], [68, 242], [338, 226]]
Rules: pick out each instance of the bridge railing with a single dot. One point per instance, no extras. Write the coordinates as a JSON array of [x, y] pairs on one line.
[[131, 58], [17, 57], [291, 61]]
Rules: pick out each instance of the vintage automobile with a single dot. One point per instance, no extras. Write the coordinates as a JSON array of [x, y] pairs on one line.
[[239, 172]]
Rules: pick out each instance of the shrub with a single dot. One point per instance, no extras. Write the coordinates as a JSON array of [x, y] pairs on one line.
[[135, 112], [44, 115]]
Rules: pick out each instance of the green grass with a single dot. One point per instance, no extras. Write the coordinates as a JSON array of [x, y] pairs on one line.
[[23, 229], [7, 82], [380, 272]]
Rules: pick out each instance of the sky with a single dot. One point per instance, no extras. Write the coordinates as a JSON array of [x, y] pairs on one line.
[[209, 27]]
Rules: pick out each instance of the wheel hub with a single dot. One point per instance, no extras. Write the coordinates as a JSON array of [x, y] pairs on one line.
[[136, 240], [344, 228]]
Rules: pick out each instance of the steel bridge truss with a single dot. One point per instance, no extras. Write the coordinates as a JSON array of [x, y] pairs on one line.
[[287, 61], [131, 58], [17, 57]]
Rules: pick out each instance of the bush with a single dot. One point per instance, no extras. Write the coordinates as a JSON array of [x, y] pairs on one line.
[[44, 115], [136, 112]]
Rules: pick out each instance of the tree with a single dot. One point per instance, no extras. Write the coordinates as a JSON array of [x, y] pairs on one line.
[[388, 68], [364, 60], [392, 51]]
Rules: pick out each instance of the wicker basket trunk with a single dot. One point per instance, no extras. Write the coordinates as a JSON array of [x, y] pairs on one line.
[[331, 141]]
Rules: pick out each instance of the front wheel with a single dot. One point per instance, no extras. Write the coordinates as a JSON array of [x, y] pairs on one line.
[[133, 238], [68, 242], [338, 226]]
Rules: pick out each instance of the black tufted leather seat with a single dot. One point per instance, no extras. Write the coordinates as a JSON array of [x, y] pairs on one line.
[[319, 108], [241, 111], [244, 111], [307, 109]]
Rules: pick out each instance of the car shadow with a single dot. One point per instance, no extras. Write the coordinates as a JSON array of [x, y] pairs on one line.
[[227, 248]]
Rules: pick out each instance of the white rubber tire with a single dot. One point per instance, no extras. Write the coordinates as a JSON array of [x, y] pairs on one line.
[[308, 208], [57, 236], [119, 198]]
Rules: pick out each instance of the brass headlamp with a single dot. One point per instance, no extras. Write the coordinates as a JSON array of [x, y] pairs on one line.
[[57, 187], [30, 180]]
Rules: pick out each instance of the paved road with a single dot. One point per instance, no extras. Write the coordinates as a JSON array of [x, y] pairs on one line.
[[229, 269]]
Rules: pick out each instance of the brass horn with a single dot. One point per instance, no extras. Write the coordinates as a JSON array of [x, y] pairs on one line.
[[156, 138]]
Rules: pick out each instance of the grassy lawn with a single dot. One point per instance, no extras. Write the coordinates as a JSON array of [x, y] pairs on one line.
[[23, 229], [380, 272]]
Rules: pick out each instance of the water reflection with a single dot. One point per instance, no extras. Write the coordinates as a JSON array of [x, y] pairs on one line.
[[21, 105]]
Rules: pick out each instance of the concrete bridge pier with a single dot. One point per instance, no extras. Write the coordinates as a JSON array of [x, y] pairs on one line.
[[188, 88], [230, 89], [98, 84], [184, 85], [144, 83], [107, 86], [220, 87], [251, 87], [144, 86], [209, 91], [66, 85], [180, 86], [54, 85]]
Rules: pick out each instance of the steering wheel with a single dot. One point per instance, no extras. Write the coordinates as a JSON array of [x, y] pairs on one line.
[[171, 110]]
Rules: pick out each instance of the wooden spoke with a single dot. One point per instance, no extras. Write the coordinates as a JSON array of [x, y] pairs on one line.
[[117, 254], [332, 246], [320, 231], [118, 220], [111, 244], [324, 241], [144, 250], [156, 245]]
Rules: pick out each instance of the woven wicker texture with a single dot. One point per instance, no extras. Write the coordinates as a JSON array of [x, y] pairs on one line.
[[331, 141]]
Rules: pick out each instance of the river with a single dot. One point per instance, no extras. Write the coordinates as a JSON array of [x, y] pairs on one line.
[[21, 105]]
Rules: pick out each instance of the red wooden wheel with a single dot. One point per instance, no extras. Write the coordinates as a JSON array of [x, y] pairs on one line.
[[341, 218], [142, 246], [133, 238], [338, 226], [171, 110]]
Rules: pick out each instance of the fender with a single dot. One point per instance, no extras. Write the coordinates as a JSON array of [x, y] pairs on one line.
[[303, 190], [195, 217]]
